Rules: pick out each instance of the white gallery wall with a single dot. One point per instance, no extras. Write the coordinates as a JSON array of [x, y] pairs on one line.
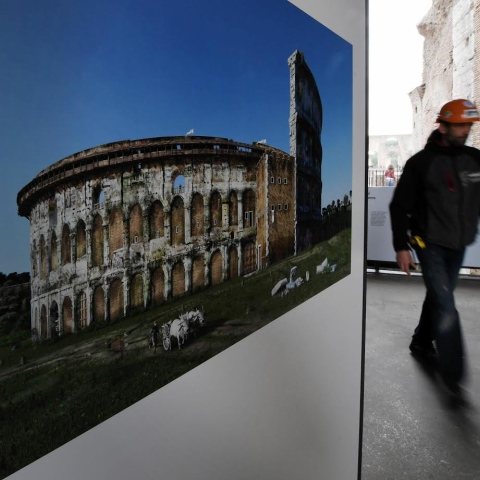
[[284, 403]]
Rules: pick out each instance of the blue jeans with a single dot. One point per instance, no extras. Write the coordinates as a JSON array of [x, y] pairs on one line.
[[439, 320]]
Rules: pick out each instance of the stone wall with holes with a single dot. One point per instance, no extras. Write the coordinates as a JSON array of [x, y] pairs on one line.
[[450, 64], [131, 238]]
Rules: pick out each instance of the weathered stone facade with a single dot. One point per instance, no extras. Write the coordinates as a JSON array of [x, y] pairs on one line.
[[126, 225], [306, 120], [451, 64]]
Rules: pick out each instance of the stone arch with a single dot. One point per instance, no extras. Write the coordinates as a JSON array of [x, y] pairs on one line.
[[156, 220], [43, 257], [197, 215], [98, 196], [158, 286], [136, 291], [81, 239], [97, 241], [178, 221], [178, 279], [232, 262], [53, 252], [54, 319], [215, 210], [67, 316], [249, 263], [98, 304], [198, 272], [178, 183], [116, 299], [43, 322], [66, 254], [216, 268], [81, 316], [135, 222], [233, 208], [248, 208], [115, 229]]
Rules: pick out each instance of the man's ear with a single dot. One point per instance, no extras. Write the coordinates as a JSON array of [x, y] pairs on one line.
[[442, 128]]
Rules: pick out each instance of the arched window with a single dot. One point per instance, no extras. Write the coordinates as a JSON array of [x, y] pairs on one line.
[[179, 185], [66, 245], [178, 221], [215, 210], [97, 241], [156, 220], [216, 270], [136, 224], [197, 216], [136, 291], [178, 279], [116, 299], [81, 240]]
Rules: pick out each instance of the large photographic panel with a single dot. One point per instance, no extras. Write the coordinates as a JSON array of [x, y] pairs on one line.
[[188, 287]]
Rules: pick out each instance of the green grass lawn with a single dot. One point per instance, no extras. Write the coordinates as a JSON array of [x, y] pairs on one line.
[[67, 386]]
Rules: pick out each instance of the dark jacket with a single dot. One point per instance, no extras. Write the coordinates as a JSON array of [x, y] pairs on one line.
[[438, 196]]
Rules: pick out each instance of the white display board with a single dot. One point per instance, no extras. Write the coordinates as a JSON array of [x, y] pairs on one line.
[[379, 236], [282, 404]]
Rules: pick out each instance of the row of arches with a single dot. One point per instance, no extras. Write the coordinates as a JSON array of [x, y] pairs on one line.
[[111, 300], [115, 232]]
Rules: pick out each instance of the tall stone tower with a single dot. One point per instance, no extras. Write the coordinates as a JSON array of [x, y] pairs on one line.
[[305, 145]]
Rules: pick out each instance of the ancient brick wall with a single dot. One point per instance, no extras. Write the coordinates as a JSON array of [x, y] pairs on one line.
[[136, 291], [198, 272], [197, 227], [115, 231], [475, 134], [98, 304], [215, 210], [216, 269], [136, 224], [178, 280], [158, 286], [81, 240], [450, 64], [116, 299], [178, 221], [156, 220], [232, 262], [67, 316]]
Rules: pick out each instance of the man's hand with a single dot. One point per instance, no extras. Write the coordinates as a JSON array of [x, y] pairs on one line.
[[405, 261]]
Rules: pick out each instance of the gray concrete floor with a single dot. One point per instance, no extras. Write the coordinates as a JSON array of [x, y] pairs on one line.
[[411, 429]]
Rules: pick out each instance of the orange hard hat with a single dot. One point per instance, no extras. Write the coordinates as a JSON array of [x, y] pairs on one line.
[[459, 111]]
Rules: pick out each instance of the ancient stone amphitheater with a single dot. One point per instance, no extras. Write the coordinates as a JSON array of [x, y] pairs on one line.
[[123, 226]]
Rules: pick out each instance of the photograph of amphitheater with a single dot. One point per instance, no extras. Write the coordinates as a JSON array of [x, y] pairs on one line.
[[150, 256]]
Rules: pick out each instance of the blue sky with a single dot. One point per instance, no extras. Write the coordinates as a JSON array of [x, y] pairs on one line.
[[79, 74]]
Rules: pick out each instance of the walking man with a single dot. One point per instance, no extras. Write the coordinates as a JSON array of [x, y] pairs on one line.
[[434, 212]]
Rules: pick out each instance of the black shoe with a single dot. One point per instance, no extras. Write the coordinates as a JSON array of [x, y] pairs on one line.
[[422, 350]]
